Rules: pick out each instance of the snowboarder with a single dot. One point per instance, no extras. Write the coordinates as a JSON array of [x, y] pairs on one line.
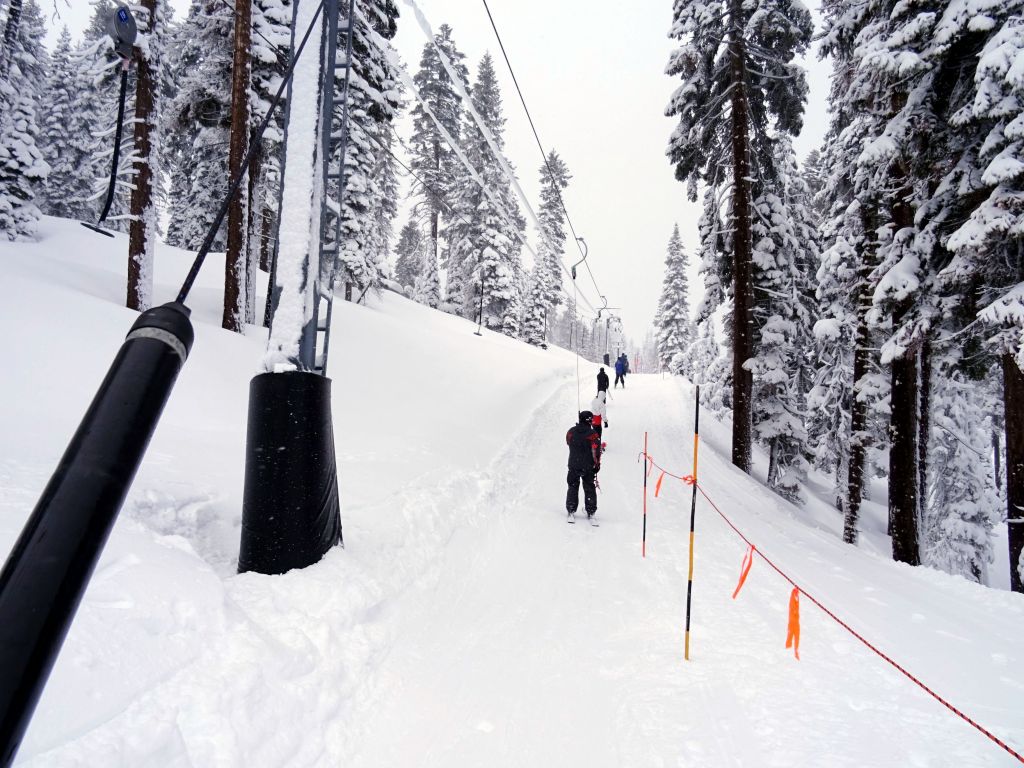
[[602, 381], [620, 372], [600, 410], [584, 464]]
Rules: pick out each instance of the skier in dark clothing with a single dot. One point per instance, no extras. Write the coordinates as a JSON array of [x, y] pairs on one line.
[[620, 372], [584, 464], [602, 381]]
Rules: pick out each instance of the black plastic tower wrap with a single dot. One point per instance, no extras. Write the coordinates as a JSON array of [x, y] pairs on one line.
[[291, 515], [43, 580]]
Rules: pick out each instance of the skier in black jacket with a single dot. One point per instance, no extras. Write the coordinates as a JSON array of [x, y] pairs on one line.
[[602, 381], [584, 464]]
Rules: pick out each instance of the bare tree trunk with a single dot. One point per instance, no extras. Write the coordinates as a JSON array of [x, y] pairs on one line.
[[903, 425], [996, 459], [743, 304], [142, 230], [235, 262], [254, 227], [1013, 407]]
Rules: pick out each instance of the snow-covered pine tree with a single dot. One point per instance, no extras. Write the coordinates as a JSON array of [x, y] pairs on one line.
[[409, 254], [988, 246], [535, 307], [197, 121], [433, 161], [740, 86], [368, 199], [912, 70], [674, 329], [96, 104], [22, 167], [65, 138], [555, 178], [961, 505], [482, 231], [427, 289]]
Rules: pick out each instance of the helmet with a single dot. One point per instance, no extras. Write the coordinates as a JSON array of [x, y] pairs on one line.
[[585, 417]]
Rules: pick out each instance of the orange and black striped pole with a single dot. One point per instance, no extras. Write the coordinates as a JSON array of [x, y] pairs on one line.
[[693, 515], [643, 544]]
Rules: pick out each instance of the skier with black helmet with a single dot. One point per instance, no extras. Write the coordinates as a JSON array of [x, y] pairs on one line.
[[584, 464]]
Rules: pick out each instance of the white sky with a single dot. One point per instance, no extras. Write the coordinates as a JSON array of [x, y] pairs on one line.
[[592, 74]]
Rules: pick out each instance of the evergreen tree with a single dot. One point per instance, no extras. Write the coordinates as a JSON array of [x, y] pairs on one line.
[[427, 289], [22, 167], [409, 254], [432, 159], [97, 104], [483, 229], [988, 264], [555, 178], [65, 138], [368, 200], [197, 121], [535, 307], [675, 332], [739, 83]]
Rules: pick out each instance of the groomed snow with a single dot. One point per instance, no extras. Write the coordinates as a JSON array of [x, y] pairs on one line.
[[465, 624]]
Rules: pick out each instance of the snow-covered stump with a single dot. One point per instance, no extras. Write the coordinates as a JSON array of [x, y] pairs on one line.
[[291, 514]]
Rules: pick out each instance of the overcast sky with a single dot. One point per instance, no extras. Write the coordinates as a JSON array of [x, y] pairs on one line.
[[592, 73]]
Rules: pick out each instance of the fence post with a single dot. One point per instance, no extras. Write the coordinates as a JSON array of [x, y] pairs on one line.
[[693, 516]]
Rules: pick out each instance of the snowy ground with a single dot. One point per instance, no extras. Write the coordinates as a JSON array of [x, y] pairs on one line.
[[465, 624]]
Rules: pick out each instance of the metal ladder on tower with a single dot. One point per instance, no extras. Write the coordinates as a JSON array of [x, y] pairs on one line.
[[334, 143]]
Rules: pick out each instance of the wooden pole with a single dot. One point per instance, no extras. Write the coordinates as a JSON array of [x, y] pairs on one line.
[[693, 516]]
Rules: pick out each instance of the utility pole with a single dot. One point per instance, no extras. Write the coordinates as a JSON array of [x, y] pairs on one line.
[[236, 269]]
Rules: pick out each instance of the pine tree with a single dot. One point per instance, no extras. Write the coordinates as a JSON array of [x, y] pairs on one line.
[[989, 256], [197, 120], [555, 178], [367, 201], [483, 229], [535, 307], [22, 167], [428, 285], [64, 138], [432, 159], [675, 332], [97, 105], [738, 78], [409, 254]]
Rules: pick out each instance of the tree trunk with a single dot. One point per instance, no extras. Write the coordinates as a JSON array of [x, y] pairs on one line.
[[743, 304], [254, 228], [859, 436], [10, 35], [1013, 408], [923, 427], [235, 263], [142, 231], [996, 460]]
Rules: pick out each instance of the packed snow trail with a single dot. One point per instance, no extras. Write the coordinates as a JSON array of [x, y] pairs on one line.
[[537, 643]]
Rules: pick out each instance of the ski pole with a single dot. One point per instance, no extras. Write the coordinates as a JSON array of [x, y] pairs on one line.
[[643, 545]]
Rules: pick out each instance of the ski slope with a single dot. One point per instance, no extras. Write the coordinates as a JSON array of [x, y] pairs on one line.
[[465, 624]]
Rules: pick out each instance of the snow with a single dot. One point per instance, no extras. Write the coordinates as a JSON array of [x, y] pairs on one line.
[[465, 624]]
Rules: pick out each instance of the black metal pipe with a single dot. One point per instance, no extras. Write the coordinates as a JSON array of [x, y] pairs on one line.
[[43, 580]]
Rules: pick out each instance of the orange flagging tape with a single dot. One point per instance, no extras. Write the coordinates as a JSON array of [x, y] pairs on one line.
[[748, 560], [689, 479], [657, 487], [793, 632]]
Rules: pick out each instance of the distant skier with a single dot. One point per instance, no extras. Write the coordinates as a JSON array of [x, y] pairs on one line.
[[599, 408], [602, 381], [584, 464], [620, 372]]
